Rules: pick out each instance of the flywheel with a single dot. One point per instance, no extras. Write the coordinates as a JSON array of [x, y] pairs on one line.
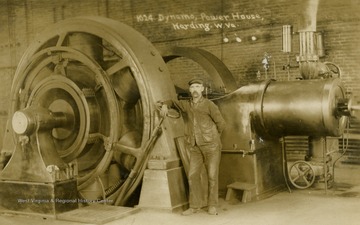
[[103, 77], [221, 78]]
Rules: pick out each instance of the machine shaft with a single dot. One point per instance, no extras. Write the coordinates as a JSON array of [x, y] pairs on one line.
[[28, 120]]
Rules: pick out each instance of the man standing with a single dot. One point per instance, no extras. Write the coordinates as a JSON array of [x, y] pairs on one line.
[[203, 126]]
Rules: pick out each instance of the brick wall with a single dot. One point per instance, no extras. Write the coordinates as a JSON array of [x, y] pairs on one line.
[[203, 24]]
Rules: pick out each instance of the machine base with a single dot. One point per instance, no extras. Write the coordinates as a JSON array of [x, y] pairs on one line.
[[164, 189], [270, 192], [43, 199]]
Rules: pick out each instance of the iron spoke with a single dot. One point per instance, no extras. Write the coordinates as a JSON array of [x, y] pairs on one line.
[[128, 150], [117, 67], [61, 39]]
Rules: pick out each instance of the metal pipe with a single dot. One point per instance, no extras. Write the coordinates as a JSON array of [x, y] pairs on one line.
[[307, 27], [286, 38], [284, 163]]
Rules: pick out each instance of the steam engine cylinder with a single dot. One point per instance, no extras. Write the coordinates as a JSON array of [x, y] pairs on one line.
[[304, 107], [258, 114]]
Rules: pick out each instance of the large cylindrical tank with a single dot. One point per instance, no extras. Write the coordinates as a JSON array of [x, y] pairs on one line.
[[258, 114], [304, 107]]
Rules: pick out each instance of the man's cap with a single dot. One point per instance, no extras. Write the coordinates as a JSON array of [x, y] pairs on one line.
[[196, 80]]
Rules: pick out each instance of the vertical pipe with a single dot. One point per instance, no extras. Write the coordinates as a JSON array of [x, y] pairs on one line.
[[319, 44], [308, 14], [301, 36], [307, 27], [325, 165], [284, 163], [286, 38]]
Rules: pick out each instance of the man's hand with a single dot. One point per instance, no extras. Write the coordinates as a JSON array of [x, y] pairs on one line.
[[164, 110]]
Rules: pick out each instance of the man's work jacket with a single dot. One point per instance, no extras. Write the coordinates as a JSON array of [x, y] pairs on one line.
[[203, 121]]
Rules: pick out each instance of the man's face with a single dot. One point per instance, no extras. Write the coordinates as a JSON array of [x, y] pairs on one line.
[[196, 90]]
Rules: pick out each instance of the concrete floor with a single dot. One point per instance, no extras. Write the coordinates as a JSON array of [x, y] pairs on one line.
[[340, 205]]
